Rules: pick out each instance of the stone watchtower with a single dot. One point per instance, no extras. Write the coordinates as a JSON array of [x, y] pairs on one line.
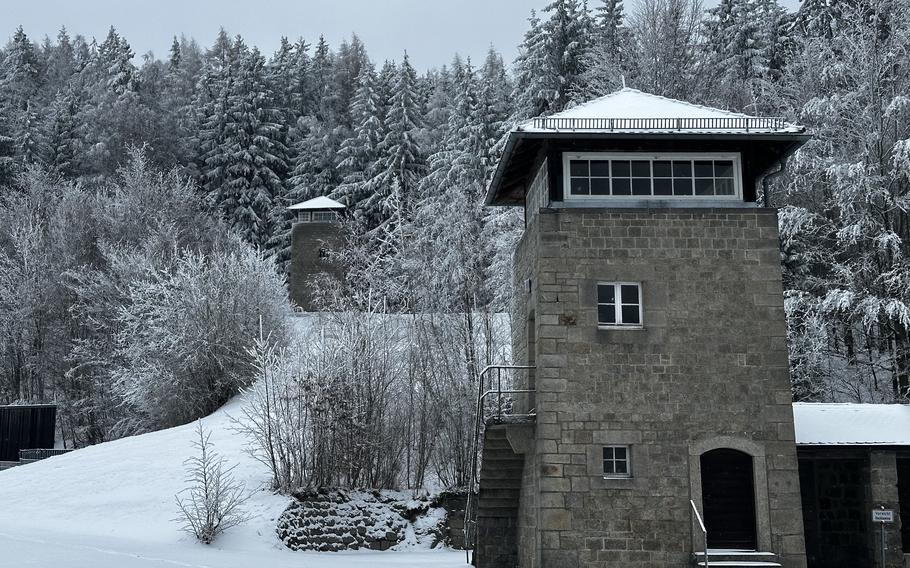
[[649, 299], [316, 231]]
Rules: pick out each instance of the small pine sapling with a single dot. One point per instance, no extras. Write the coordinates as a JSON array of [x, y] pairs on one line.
[[212, 503]]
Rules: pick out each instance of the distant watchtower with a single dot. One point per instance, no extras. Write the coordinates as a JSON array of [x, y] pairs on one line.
[[316, 232], [649, 300]]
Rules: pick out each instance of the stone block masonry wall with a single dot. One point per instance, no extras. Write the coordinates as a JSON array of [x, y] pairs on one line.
[[524, 268], [307, 239], [708, 369], [884, 492]]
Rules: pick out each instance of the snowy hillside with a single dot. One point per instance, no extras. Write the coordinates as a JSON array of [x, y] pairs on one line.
[[113, 504]]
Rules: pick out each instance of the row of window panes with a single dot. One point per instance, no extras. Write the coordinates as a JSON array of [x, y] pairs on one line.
[[316, 216], [651, 177]]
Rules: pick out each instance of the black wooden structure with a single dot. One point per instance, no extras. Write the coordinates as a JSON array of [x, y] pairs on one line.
[[26, 427]]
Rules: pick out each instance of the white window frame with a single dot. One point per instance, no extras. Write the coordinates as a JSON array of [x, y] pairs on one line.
[[567, 157], [628, 462], [617, 306]]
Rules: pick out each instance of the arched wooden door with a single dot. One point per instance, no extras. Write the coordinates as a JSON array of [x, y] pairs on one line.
[[728, 498]]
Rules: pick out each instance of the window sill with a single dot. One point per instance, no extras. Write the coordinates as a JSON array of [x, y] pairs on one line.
[[622, 477], [620, 327]]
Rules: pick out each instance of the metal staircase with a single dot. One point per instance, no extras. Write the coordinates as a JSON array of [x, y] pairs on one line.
[[491, 516]]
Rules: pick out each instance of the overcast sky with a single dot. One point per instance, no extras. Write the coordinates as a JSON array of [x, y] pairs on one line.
[[432, 31]]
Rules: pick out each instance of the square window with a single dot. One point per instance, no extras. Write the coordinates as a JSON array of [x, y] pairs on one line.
[[641, 186], [617, 461], [619, 304], [641, 168], [622, 186], [600, 168], [662, 168], [579, 168], [620, 168], [600, 186], [581, 186]]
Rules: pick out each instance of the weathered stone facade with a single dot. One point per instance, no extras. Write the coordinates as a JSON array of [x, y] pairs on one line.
[[311, 244], [707, 370], [884, 494]]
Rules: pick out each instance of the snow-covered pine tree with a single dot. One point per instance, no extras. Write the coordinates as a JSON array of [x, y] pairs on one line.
[[252, 157], [609, 56], [552, 60], [533, 90], [358, 154], [19, 74], [846, 229], [401, 159], [63, 138]]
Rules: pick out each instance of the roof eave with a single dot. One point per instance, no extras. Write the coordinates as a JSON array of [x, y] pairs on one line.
[[798, 138]]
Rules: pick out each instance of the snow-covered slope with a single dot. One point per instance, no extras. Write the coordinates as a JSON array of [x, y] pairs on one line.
[[113, 505]]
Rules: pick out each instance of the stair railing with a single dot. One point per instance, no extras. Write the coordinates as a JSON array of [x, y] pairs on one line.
[[703, 530], [470, 523]]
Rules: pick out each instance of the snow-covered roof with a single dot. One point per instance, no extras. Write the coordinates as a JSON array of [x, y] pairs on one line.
[[321, 202], [852, 424], [631, 110]]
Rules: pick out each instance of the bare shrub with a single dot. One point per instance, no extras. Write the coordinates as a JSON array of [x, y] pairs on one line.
[[212, 503]]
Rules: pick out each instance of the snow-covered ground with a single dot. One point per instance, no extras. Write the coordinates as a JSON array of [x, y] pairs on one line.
[[112, 505]]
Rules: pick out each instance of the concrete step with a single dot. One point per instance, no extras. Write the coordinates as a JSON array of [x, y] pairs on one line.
[[498, 508], [513, 494], [498, 443], [729, 558], [739, 564], [501, 472], [502, 459], [487, 483], [495, 433]]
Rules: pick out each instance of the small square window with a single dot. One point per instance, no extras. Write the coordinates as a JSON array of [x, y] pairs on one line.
[[600, 186], [581, 186], [622, 186], [723, 168], [600, 168], [662, 169], [579, 168], [617, 461], [641, 168], [641, 186], [619, 304], [682, 186]]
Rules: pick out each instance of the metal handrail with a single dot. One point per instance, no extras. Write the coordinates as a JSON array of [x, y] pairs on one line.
[[774, 123], [470, 510], [703, 530]]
